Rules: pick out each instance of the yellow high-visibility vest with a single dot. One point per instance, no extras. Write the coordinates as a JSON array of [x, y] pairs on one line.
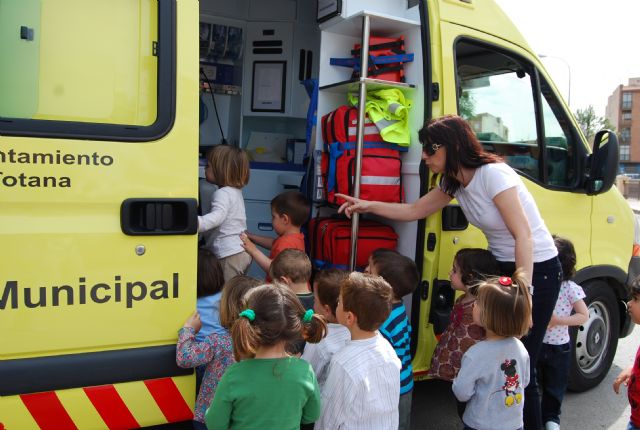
[[389, 111]]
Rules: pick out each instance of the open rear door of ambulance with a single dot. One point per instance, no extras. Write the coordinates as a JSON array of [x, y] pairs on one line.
[[98, 186]]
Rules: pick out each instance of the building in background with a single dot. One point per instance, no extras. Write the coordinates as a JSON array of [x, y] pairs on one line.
[[623, 111], [489, 128]]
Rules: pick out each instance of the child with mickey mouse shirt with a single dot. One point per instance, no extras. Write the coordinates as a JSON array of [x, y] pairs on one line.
[[495, 371]]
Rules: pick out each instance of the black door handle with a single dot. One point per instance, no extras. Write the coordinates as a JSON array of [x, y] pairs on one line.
[[157, 217], [453, 219]]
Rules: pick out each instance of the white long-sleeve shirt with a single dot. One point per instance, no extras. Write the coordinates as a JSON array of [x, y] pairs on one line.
[[492, 381], [228, 219], [319, 354], [362, 390]]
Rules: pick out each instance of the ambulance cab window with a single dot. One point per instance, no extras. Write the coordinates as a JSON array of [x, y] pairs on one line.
[[496, 96], [83, 69]]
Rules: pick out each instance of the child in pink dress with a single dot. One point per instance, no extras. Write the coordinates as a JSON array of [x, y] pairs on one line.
[[470, 266]]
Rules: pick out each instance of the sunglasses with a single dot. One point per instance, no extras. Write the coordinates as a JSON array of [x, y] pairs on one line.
[[431, 149]]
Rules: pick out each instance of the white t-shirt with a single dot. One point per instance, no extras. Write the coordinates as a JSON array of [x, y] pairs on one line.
[[362, 390], [570, 292], [319, 354], [476, 200], [227, 219]]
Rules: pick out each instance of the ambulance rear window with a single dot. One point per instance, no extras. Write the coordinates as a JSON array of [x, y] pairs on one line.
[[89, 69]]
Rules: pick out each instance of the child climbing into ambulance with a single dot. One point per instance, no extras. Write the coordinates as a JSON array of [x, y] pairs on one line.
[[215, 351], [268, 389], [289, 211], [495, 371], [228, 168]]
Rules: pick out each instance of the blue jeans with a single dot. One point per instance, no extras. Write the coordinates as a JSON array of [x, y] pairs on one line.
[[197, 425], [466, 427], [547, 277], [632, 427], [553, 371]]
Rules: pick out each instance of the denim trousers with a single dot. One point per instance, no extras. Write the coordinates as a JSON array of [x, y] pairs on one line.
[[632, 427], [547, 277], [553, 372], [466, 427]]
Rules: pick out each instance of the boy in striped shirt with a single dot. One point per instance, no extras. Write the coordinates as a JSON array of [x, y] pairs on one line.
[[402, 274], [363, 386]]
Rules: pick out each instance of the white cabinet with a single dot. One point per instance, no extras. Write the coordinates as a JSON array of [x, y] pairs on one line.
[[338, 37]]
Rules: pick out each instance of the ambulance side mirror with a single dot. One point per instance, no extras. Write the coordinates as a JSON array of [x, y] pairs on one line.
[[602, 163]]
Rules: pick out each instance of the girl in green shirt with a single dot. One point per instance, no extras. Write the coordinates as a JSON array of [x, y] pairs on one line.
[[267, 388]]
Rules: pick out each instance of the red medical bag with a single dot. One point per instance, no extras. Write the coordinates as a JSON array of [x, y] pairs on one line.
[[330, 241], [341, 125]]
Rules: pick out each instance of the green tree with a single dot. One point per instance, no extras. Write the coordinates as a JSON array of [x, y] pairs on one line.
[[467, 105], [590, 123]]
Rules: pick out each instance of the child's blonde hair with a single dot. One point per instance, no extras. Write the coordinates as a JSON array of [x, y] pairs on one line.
[[291, 263], [232, 299], [505, 305], [230, 165], [273, 314]]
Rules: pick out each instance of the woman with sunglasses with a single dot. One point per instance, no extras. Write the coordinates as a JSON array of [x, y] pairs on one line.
[[494, 199]]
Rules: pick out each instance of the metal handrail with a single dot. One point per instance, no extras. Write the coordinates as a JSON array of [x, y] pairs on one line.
[[362, 99]]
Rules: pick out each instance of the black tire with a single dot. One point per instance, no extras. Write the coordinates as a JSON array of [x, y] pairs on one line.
[[594, 343]]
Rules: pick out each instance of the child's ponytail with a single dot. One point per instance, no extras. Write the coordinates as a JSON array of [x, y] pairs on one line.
[[244, 336], [314, 327], [521, 282]]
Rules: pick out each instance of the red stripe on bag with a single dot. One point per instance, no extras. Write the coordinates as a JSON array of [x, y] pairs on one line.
[[169, 399], [47, 410], [111, 407]]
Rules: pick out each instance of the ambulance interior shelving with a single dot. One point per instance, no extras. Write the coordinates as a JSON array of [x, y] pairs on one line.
[[254, 55]]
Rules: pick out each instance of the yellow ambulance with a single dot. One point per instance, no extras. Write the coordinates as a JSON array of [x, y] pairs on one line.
[[106, 109]]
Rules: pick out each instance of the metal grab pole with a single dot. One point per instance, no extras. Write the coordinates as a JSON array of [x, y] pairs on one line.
[[362, 99]]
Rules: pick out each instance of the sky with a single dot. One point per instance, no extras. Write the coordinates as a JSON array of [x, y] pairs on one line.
[[595, 42]]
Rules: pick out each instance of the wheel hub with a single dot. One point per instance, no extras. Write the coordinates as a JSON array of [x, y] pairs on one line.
[[592, 339]]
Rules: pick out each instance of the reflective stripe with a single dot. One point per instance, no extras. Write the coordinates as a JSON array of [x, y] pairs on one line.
[[117, 406], [368, 129], [111, 407], [393, 107], [48, 411], [169, 399], [382, 123], [380, 180]]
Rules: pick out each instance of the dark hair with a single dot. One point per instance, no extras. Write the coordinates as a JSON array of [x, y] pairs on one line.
[[292, 263], [293, 204], [368, 297], [230, 165], [475, 266], [232, 300], [398, 270], [278, 318], [505, 309], [210, 276], [327, 286], [634, 287], [463, 148], [567, 256]]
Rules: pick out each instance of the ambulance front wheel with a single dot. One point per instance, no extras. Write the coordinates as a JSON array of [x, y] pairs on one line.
[[594, 343]]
